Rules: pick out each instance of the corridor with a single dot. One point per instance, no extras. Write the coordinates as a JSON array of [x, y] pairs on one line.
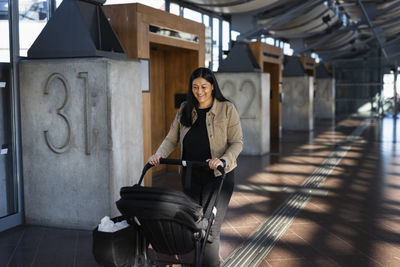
[[330, 197]]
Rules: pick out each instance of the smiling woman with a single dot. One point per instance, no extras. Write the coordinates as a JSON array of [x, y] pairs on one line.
[[208, 128], [203, 90]]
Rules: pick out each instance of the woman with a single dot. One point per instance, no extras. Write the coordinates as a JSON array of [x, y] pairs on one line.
[[208, 128]]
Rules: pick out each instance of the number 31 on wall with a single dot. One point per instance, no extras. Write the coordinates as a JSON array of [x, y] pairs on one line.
[[60, 112]]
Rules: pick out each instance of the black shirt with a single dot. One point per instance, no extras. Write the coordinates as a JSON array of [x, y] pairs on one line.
[[196, 146]]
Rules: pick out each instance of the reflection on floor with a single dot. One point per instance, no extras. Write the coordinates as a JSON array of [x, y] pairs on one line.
[[351, 219]]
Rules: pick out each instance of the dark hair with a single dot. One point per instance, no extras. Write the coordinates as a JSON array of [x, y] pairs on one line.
[[191, 101]]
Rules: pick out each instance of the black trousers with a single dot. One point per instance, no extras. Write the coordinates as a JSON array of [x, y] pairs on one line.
[[201, 190]]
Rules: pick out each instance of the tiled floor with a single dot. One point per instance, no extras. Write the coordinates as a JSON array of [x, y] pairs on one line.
[[352, 220], [42, 246]]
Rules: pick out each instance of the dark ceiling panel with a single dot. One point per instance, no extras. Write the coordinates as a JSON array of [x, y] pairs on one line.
[[334, 29]]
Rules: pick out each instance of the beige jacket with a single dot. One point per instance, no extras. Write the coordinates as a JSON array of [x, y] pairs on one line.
[[224, 133]]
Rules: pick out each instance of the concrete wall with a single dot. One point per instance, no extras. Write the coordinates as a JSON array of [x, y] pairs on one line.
[[91, 111], [324, 98], [250, 93], [298, 103]]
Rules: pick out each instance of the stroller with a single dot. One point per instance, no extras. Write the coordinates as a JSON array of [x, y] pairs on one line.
[[170, 220]]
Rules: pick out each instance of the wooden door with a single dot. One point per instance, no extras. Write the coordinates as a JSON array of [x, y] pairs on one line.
[[275, 99], [157, 101], [170, 70]]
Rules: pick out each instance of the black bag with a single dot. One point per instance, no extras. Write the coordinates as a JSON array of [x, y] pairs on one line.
[[115, 249]]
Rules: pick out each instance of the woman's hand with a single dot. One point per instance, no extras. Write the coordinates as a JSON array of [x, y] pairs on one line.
[[154, 160], [214, 163]]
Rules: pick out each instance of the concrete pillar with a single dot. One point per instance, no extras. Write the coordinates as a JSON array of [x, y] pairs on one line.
[[325, 98], [298, 103], [250, 92], [81, 122]]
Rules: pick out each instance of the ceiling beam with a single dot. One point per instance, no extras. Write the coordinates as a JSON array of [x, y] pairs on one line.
[[364, 11], [387, 9], [322, 41], [279, 20]]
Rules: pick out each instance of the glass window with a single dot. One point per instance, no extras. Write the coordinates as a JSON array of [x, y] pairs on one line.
[[33, 16], [192, 15], [3, 9], [388, 84], [4, 32], [33, 10], [215, 45], [234, 35], [206, 20], [286, 49], [174, 9], [225, 35], [208, 46], [270, 41]]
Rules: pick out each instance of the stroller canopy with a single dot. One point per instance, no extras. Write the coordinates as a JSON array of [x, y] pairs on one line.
[[171, 220]]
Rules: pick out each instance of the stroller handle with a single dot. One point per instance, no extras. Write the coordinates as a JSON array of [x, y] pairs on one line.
[[179, 162]]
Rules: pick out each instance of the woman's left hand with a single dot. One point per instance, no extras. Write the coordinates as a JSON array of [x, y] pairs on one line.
[[214, 163]]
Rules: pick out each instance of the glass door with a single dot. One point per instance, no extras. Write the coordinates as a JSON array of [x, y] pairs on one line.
[[10, 186], [7, 185]]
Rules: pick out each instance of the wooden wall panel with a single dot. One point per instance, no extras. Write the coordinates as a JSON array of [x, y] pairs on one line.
[[170, 69], [143, 42], [171, 21], [309, 65], [256, 50], [179, 65], [157, 89], [131, 24], [275, 102], [122, 18], [146, 108], [266, 53], [166, 40]]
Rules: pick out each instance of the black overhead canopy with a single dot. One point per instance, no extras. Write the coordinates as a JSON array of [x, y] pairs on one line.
[[335, 30]]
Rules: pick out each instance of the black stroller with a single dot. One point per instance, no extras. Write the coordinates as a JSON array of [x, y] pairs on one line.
[[170, 220]]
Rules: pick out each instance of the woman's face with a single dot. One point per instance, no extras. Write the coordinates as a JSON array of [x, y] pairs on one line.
[[202, 90]]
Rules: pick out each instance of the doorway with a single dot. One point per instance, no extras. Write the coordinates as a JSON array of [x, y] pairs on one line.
[[170, 70], [275, 101], [10, 201], [7, 207]]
